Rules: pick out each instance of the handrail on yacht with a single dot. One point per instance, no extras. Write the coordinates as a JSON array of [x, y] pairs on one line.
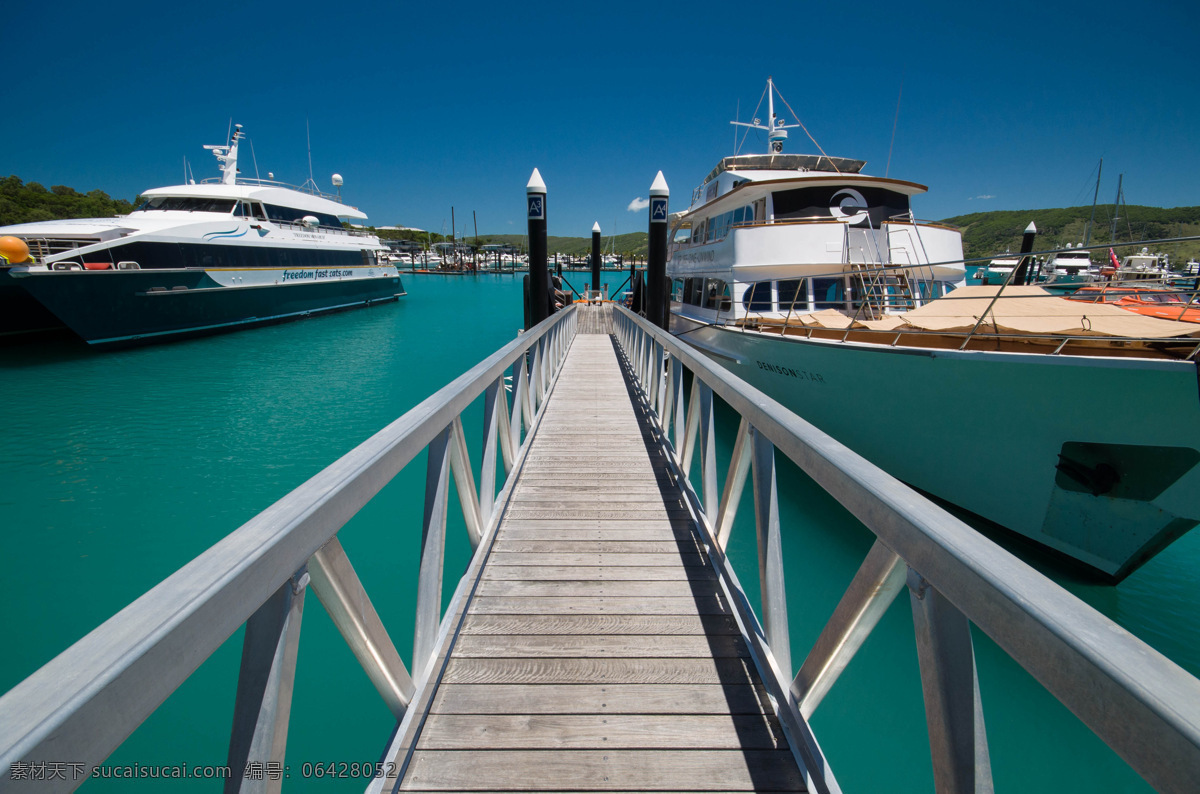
[[86, 701], [1142, 705]]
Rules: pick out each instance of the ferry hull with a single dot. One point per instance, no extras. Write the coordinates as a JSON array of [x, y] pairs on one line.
[[999, 434], [20, 312], [143, 306]]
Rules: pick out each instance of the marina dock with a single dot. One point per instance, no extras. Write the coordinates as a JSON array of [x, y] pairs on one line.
[[598, 652], [599, 639]]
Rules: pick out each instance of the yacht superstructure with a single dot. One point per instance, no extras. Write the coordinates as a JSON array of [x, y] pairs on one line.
[[816, 283]]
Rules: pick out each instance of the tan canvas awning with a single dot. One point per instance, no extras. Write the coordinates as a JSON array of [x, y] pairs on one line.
[[1034, 310]]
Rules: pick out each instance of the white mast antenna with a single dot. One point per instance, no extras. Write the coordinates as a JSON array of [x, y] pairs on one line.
[[227, 156]]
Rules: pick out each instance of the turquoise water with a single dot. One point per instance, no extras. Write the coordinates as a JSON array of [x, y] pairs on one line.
[[117, 468]]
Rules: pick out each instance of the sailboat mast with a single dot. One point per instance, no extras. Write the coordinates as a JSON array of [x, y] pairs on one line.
[[1112, 236], [1087, 237]]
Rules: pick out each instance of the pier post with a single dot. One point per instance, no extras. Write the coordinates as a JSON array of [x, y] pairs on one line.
[[1022, 270], [596, 255], [656, 262], [535, 200]]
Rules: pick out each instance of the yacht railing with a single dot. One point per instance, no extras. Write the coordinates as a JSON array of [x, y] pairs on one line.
[[85, 702], [1139, 703]]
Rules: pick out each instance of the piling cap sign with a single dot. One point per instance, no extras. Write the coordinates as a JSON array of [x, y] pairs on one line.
[[659, 195], [535, 197]]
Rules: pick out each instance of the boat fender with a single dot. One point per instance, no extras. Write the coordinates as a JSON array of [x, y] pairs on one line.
[[14, 250], [97, 265]]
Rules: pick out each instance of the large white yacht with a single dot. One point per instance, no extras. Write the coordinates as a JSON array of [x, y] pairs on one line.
[[815, 283], [201, 258], [1068, 270]]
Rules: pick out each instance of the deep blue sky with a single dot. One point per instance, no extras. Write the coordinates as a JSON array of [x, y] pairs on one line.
[[424, 106]]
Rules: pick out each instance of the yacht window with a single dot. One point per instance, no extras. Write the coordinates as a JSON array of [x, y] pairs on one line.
[[716, 294], [827, 293], [188, 204], [792, 295], [757, 297]]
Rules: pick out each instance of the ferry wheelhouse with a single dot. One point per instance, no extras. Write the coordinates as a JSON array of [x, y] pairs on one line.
[[816, 283], [201, 258]]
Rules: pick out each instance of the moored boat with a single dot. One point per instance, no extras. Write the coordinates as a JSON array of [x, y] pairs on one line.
[[201, 258], [815, 283]]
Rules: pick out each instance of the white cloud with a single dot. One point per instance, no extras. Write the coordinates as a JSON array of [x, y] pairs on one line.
[[984, 197], [638, 204]]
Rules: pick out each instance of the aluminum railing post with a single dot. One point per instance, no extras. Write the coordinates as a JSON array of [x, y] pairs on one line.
[[770, 553], [492, 433], [342, 594], [464, 482], [957, 739], [263, 702], [433, 549], [679, 421], [735, 483], [520, 401], [879, 580], [708, 452]]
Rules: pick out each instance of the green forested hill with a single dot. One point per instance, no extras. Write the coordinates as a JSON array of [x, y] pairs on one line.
[[24, 203], [632, 244], [988, 233]]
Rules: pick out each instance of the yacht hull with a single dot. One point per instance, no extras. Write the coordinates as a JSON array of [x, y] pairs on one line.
[[111, 307], [1000, 434]]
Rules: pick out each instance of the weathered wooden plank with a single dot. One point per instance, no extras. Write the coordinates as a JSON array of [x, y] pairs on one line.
[[605, 731], [599, 770], [599, 605], [511, 545], [598, 671], [705, 585], [660, 625], [610, 573], [562, 522], [525, 532], [601, 699], [597, 558], [606, 646]]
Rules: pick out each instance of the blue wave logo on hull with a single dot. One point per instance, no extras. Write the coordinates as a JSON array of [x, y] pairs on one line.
[[224, 235]]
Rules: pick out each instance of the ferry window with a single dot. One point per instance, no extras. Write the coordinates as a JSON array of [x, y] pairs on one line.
[[677, 290], [792, 295], [757, 297], [258, 211], [698, 233], [293, 215], [827, 293], [188, 204], [739, 215]]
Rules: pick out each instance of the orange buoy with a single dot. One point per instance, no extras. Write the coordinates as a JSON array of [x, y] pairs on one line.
[[14, 250]]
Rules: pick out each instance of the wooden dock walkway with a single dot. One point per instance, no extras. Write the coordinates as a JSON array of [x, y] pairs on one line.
[[598, 652]]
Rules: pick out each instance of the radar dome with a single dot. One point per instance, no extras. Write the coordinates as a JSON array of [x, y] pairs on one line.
[[337, 180]]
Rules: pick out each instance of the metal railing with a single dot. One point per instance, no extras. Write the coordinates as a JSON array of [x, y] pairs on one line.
[[85, 702], [1139, 703]]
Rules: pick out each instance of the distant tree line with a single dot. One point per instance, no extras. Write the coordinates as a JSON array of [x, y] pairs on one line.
[[985, 234], [26, 203]]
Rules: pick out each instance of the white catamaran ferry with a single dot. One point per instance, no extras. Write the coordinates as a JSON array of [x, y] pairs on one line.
[[201, 258], [816, 283]]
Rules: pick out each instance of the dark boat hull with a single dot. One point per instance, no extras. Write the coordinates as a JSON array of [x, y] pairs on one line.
[[20, 312], [112, 307]]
